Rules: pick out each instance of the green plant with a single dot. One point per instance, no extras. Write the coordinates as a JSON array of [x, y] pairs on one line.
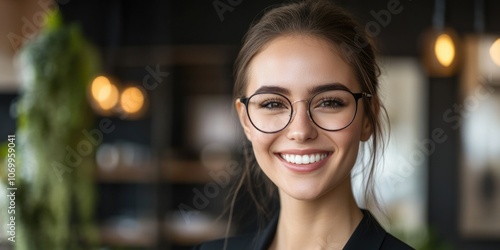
[[55, 201]]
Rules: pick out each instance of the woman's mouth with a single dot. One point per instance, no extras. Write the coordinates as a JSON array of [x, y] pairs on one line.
[[303, 159]]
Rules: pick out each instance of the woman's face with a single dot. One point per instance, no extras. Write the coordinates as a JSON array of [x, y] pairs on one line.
[[295, 65]]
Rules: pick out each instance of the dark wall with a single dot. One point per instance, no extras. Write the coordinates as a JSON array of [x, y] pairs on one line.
[[197, 22]]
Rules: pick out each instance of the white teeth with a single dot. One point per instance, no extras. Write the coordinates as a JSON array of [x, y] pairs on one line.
[[298, 159], [318, 157], [303, 159]]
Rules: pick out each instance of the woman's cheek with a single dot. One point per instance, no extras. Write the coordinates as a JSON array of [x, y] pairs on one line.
[[262, 147], [263, 140]]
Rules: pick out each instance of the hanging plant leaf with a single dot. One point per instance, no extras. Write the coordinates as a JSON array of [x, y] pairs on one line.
[[55, 194]]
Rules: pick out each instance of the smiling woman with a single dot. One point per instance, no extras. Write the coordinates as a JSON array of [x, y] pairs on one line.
[[306, 94]]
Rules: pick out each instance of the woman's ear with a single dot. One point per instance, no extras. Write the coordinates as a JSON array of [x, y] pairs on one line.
[[242, 115], [367, 128]]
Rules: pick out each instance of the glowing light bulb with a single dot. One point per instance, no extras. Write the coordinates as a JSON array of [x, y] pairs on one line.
[[444, 50], [132, 100], [495, 52], [104, 93], [101, 88], [111, 100]]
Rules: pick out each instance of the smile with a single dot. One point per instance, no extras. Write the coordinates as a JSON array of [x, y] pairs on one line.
[[303, 159]]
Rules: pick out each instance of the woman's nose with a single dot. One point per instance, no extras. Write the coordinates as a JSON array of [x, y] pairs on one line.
[[301, 127]]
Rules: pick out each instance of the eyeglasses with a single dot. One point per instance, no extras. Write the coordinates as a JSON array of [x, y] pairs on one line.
[[331, 110]]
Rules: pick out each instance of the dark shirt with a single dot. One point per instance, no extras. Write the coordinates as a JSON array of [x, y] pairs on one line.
[[367, 235]]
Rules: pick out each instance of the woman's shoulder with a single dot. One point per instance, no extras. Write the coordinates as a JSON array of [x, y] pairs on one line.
[[393, 243], [247, 241], [237, 242], [369, 234], [259, 239]]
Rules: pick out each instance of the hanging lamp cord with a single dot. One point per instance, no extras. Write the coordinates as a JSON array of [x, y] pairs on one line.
[[439, 14], [479, 20]]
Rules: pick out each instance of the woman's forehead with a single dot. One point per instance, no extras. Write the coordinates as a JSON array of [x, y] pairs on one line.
[[299, 63]]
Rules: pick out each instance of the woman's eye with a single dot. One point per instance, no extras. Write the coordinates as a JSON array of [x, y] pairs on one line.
[[332, 104], [273, 105]]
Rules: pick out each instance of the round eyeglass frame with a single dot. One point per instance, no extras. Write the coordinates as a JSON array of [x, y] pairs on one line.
[[356, 97]]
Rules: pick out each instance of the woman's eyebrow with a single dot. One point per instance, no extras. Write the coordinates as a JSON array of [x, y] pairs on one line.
[[273, 89], [311, 91], [326, 87]]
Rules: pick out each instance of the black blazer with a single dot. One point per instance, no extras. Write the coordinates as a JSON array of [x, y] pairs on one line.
[[368, 235]]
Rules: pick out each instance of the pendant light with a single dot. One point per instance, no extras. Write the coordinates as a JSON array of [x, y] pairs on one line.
[[441, 45], [488, 48], [108, 96]]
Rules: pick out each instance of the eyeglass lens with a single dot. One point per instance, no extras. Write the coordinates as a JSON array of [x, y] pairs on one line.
[[330, 110]]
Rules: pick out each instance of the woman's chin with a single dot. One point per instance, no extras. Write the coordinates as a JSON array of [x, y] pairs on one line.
[[303, 193]]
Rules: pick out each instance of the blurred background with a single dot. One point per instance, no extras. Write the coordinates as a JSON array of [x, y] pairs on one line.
[[120, 117]]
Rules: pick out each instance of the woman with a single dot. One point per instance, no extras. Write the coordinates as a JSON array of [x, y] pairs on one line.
[[306, 93]]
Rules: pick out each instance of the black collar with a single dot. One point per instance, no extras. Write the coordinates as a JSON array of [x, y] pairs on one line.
[[367, 235]]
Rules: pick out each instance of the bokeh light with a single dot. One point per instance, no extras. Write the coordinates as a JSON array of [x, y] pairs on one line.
[[104, 93], [132, 100], [445, 50], [495, 52]]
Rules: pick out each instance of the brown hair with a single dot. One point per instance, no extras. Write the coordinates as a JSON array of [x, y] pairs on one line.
[[326, 21]]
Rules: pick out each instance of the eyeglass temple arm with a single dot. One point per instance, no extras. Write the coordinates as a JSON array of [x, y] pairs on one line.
[[361, 95], [243, 100]]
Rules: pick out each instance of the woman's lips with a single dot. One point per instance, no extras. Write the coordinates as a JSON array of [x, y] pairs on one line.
[[303, 159], [303, 162]]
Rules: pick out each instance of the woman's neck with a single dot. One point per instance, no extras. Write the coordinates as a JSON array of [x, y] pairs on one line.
[[324, 223]]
